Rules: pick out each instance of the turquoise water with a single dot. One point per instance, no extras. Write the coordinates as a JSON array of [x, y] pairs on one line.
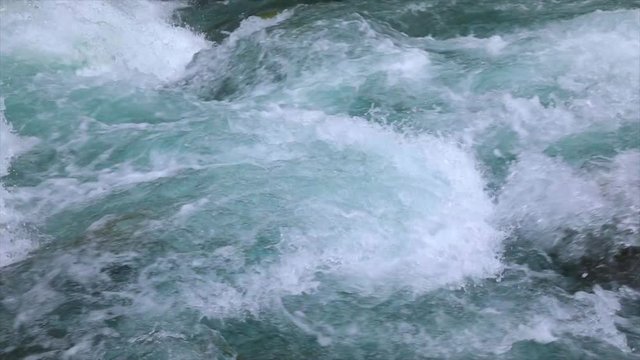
[[319, 180]]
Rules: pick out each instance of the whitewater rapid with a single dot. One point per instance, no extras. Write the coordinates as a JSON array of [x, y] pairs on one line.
[[321, 182]]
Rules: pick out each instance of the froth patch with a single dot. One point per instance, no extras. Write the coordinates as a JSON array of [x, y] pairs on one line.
[[254, 24], [100, 38], [14, 240], [547, 198]]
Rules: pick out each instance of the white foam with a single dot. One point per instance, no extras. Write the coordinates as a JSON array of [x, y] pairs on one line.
[[108, 38], [14, 241], [419, 224], [12, 145], [621, 186], [317, 64], [254, 24], [596, 317], [588, 314], [544, 196], [492, 45], [490, 332], [58, 194], [589, 64]]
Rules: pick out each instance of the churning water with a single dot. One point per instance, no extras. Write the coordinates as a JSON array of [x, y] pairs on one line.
[[320, 180]]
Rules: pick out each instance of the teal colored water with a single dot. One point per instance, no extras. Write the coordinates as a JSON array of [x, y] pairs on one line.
[[319, 180]]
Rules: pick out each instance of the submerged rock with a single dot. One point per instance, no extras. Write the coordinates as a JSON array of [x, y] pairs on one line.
[[622, 268], [619, 267]]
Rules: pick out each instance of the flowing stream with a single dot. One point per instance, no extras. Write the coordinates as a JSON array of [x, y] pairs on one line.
[[375, 179]]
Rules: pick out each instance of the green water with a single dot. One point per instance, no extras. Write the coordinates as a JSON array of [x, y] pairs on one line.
[[319, 180]]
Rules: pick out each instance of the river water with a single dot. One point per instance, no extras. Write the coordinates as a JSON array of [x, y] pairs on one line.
[[382, 179]]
